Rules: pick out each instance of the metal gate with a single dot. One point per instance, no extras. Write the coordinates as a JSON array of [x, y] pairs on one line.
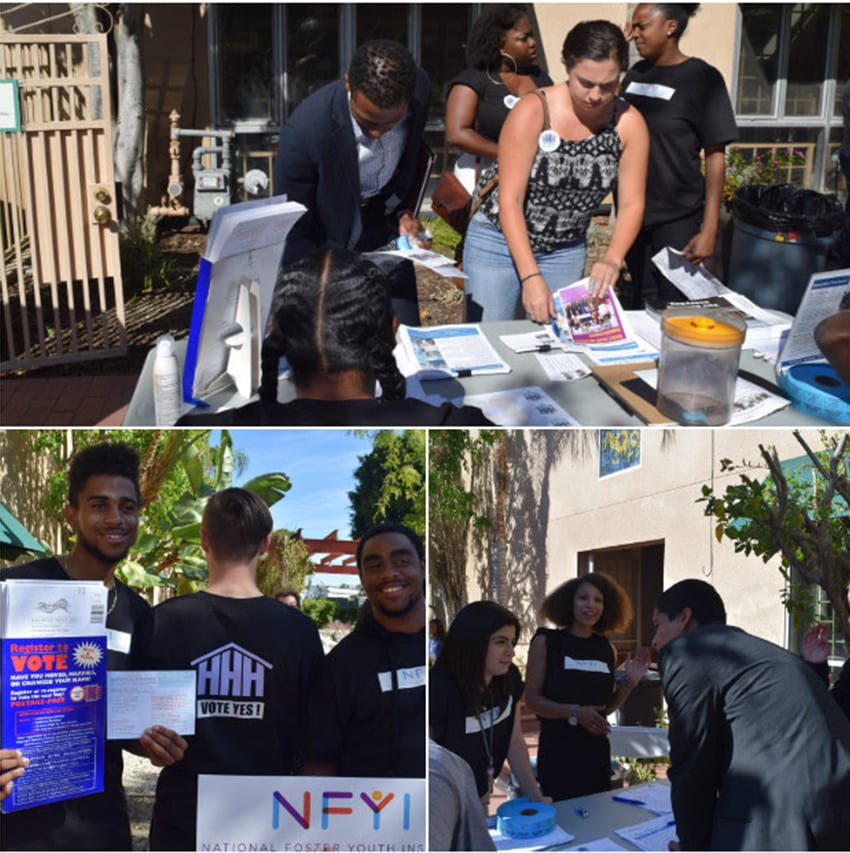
[[61, 274]]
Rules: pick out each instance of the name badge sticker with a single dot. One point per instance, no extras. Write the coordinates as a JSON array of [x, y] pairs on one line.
[[510, 101], [118, 641], [549, 141], [586, 665]]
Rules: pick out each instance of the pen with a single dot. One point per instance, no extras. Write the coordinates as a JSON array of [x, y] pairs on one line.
[[582, 812], [555, 328], [624, 799]]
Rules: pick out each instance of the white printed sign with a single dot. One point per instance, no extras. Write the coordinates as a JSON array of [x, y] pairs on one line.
[[295, 813]]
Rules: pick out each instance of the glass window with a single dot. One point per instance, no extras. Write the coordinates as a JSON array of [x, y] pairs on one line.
[[246, 71], [842, 74], [312, 49], [758, 66], [382, 21], [444, 30], [808, 39]]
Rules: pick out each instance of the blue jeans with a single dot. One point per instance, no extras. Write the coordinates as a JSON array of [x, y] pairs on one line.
[[493, 290]]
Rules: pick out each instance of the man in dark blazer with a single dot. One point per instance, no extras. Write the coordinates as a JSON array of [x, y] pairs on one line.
[[760, 753], [349, 154]]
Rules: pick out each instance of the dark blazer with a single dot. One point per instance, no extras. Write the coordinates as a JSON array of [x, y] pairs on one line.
[[316, 165], [760, 752]]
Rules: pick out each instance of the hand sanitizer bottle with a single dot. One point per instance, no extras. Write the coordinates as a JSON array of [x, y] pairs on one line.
[[167, 403]]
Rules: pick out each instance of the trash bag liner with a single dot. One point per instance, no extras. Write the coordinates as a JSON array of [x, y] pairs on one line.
[[784, 207]]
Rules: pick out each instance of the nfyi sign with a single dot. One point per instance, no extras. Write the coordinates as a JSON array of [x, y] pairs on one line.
[[299, 812]]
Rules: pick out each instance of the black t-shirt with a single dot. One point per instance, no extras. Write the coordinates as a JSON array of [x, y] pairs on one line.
[[377, 412], [494, 99], [367, 714], [686, 108], [98, 821], [253, 724], [477, 736]]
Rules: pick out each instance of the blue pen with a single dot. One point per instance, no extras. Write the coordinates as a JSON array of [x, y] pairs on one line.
[[582, 812], [623, 799], [555, 328]]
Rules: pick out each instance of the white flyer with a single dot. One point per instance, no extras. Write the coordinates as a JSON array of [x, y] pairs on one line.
[[137, 700]]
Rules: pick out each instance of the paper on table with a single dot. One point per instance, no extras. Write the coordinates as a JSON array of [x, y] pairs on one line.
[[598, 844], [541, 339], [435, 262], [562, 367], [137, 700], [653, 797], [437, 352], [655, 834], [556, 837], [751, 401], [520, 407]]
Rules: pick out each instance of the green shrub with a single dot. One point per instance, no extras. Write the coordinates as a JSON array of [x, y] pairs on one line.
[[143, 265], [320, 610]]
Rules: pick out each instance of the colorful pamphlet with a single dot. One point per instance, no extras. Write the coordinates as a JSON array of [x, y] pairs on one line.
[[53, 687]]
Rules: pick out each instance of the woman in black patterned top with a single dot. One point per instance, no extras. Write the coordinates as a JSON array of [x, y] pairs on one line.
[[558, 157]]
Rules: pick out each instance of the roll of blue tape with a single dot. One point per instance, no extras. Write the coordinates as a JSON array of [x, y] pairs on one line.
[[520, 818], [817, 390]]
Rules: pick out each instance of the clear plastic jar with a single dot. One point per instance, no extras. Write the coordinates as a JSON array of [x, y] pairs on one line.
[[699, 365]]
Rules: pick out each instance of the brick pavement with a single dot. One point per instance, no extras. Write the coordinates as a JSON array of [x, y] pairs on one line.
[[65, 400]]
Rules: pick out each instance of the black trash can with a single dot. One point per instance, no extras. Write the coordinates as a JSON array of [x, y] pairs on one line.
[[780, 237], [643, 705]]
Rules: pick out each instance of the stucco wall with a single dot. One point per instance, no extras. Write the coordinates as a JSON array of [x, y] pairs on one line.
[[710, 34], [568, 509]]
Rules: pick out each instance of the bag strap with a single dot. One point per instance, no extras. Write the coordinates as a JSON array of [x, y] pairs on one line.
[[488, 187], [542, 95]]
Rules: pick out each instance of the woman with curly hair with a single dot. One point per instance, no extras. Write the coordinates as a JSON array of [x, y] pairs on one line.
[[570, 683], [332, 319], [474, 689], [501, 53]]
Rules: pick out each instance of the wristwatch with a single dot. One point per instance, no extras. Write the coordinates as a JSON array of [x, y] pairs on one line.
[[573, 718]]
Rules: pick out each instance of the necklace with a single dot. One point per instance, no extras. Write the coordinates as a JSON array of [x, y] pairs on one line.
[[63, 563], [488, 741]]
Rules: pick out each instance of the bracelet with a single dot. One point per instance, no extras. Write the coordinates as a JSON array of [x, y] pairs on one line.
[[524, 280]]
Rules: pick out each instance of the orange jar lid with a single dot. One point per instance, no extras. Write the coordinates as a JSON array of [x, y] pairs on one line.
[[720, 329]]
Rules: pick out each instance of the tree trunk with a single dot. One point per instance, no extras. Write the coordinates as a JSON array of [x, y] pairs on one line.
[[129, 129]]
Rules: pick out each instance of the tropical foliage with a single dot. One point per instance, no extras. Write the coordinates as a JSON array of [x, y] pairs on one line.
[[800, 516], [390, 482]]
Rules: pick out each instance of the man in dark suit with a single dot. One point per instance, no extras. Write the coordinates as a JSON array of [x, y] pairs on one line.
[[349, 154], [760, 754]]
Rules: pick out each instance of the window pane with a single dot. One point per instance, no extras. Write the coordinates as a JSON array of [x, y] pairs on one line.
[[808, 37], [380, 21], [444, 31], [245, 51], [843, 71], [312, 49], [758, 65]]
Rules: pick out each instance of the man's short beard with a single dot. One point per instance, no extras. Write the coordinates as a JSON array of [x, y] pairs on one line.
[[94, 551], [402, 611]]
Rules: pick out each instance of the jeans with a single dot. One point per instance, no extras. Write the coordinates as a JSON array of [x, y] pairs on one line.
[[493, 290]]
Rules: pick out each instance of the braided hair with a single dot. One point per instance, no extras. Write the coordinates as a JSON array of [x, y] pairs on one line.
[[332, 313], [384, 71]]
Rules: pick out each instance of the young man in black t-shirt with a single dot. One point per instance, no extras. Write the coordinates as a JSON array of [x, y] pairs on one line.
[[255, 659], [367, 715], [103, 511]]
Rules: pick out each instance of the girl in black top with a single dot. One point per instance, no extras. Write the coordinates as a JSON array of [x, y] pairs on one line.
[[501, 60], [690, 119], [474, 690], [570, 684]]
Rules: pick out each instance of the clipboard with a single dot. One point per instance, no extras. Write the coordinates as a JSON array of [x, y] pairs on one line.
[[637, 397], [416, 194]]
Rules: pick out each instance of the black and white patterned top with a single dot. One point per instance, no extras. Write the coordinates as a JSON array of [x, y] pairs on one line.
[[564, 188]]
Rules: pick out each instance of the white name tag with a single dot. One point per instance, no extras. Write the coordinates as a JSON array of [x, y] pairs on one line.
[[586, 665], [118, 641], [488, 718], [651, 90], [406, 679]]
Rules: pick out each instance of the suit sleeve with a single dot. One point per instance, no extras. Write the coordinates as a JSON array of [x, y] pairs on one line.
[[296, 174], [841, 689], [693, 711]]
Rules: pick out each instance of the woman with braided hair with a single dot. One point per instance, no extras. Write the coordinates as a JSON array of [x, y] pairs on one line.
[[332, 319]]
